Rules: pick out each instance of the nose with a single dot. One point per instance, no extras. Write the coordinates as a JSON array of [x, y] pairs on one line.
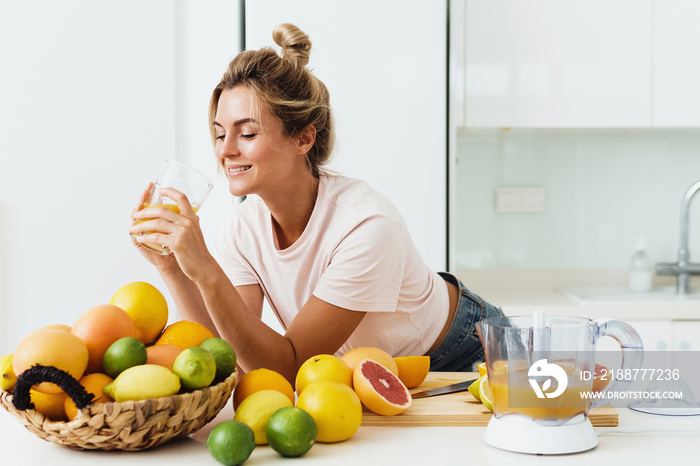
[[226, 147]]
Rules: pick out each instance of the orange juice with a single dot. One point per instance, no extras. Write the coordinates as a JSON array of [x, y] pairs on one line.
[[174, 207], [512, 393]]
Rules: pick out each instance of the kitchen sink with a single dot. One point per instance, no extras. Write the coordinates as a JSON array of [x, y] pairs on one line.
[[623, 294]]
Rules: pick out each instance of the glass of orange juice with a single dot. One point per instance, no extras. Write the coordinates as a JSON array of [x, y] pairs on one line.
[[189, 181]]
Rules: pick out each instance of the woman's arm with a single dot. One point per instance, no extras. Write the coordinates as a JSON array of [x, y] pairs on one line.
[[206, 295], [319, 327]]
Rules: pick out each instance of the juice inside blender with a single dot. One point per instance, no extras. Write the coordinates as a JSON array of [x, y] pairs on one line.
[[513, 394]]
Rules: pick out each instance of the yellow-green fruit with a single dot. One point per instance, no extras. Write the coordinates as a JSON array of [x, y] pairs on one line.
[[7, 374], [256, 410], [144, 381]]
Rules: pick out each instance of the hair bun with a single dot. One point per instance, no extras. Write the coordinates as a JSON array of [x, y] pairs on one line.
[[294, 42]]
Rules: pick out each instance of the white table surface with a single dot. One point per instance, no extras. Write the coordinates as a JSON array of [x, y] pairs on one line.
[[652, 440]]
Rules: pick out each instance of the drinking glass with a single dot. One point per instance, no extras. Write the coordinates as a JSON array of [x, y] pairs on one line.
[[187, 180]]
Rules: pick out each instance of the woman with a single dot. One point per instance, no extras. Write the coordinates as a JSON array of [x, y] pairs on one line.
[[332, 256]]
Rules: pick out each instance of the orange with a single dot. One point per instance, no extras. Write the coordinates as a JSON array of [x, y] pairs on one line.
[[51, 347], [146, 306], [261, 379], [379, 389], [413, 369], [99, 327], [162, 355], [335, 407], [354, 356], [93, 383], [184, 334], [323, 367], [51, 405]]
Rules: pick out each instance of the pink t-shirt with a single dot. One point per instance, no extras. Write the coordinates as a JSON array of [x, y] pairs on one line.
[[355, 253]]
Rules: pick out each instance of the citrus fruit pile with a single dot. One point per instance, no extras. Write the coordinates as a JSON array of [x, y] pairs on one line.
[[330, 393], [120, 351]]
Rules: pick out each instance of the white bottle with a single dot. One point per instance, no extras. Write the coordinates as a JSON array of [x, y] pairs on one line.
[[641, 272]]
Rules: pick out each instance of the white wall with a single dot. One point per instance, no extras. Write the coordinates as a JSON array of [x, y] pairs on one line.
[[604, 189], [93, 97], [384, 64]]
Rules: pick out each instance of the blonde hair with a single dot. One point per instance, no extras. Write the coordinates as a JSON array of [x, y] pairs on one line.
[[289, 90]]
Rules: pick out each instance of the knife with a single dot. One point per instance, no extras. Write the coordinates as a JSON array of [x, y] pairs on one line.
[[455, 387]]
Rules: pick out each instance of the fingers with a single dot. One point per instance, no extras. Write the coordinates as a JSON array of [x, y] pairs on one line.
[[182, 202], [144, 195]]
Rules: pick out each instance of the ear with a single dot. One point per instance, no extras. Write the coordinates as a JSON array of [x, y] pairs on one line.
[[305, 139]]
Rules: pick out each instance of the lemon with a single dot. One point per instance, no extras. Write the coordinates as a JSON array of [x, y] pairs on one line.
[[231, 442], [291, 431], [474, 388], [256, 410], [146, 306], [123, 354], [485, 393], [196, 368], [482, 369], [144, 381], [224, 356], [7, 374]]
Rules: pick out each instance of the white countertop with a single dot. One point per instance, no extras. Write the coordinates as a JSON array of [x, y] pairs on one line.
[[652, 440]]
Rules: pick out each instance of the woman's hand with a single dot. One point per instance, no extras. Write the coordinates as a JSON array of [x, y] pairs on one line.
[[180, 232]]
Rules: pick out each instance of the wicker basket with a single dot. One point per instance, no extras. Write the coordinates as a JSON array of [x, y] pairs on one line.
[[129, 425]]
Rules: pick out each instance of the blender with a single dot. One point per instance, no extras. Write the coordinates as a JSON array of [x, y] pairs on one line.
[[539, 371]]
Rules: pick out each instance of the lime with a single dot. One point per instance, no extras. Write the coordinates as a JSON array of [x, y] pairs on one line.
[[224, 356], [474, 388], [291, 431], [231, 442], [141, 382], [256, 410], [123, 354], [485, 393], [7, 374], [196, 368]]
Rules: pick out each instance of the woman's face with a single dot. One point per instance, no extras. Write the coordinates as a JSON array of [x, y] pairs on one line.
[[256, 156]]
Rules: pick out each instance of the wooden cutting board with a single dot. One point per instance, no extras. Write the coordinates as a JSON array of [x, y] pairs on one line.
[[458, 409]]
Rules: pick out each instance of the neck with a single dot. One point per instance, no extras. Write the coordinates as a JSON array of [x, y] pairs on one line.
[[291, 210]]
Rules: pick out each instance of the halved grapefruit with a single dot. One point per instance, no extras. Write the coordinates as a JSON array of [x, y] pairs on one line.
[[379, 389]]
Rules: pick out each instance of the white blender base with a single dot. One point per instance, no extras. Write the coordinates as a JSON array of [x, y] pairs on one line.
[[523, 435]]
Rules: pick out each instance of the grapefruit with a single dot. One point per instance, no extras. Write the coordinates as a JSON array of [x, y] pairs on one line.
[[335, 407], [99, 327], [146, 306], [379, 389], [353, 357], [162, 355], [52, 347], [323, 367]]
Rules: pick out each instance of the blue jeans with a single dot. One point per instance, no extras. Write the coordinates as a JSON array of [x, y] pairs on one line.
[[461, 347]]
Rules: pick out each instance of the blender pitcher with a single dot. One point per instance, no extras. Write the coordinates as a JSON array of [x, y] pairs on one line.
[[540, 374]]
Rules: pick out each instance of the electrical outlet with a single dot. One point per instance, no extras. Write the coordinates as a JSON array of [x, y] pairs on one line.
[[520, 199]]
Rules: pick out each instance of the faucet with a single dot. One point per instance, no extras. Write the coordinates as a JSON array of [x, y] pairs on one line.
[[683, 268]]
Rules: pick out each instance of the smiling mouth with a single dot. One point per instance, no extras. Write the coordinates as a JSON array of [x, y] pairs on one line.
[[238, 170]]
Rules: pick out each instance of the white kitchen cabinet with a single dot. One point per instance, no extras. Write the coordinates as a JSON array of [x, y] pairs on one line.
[[686, 335], [676, 63], [656, 335], [548, 63], [668, 335], [385, 66]]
